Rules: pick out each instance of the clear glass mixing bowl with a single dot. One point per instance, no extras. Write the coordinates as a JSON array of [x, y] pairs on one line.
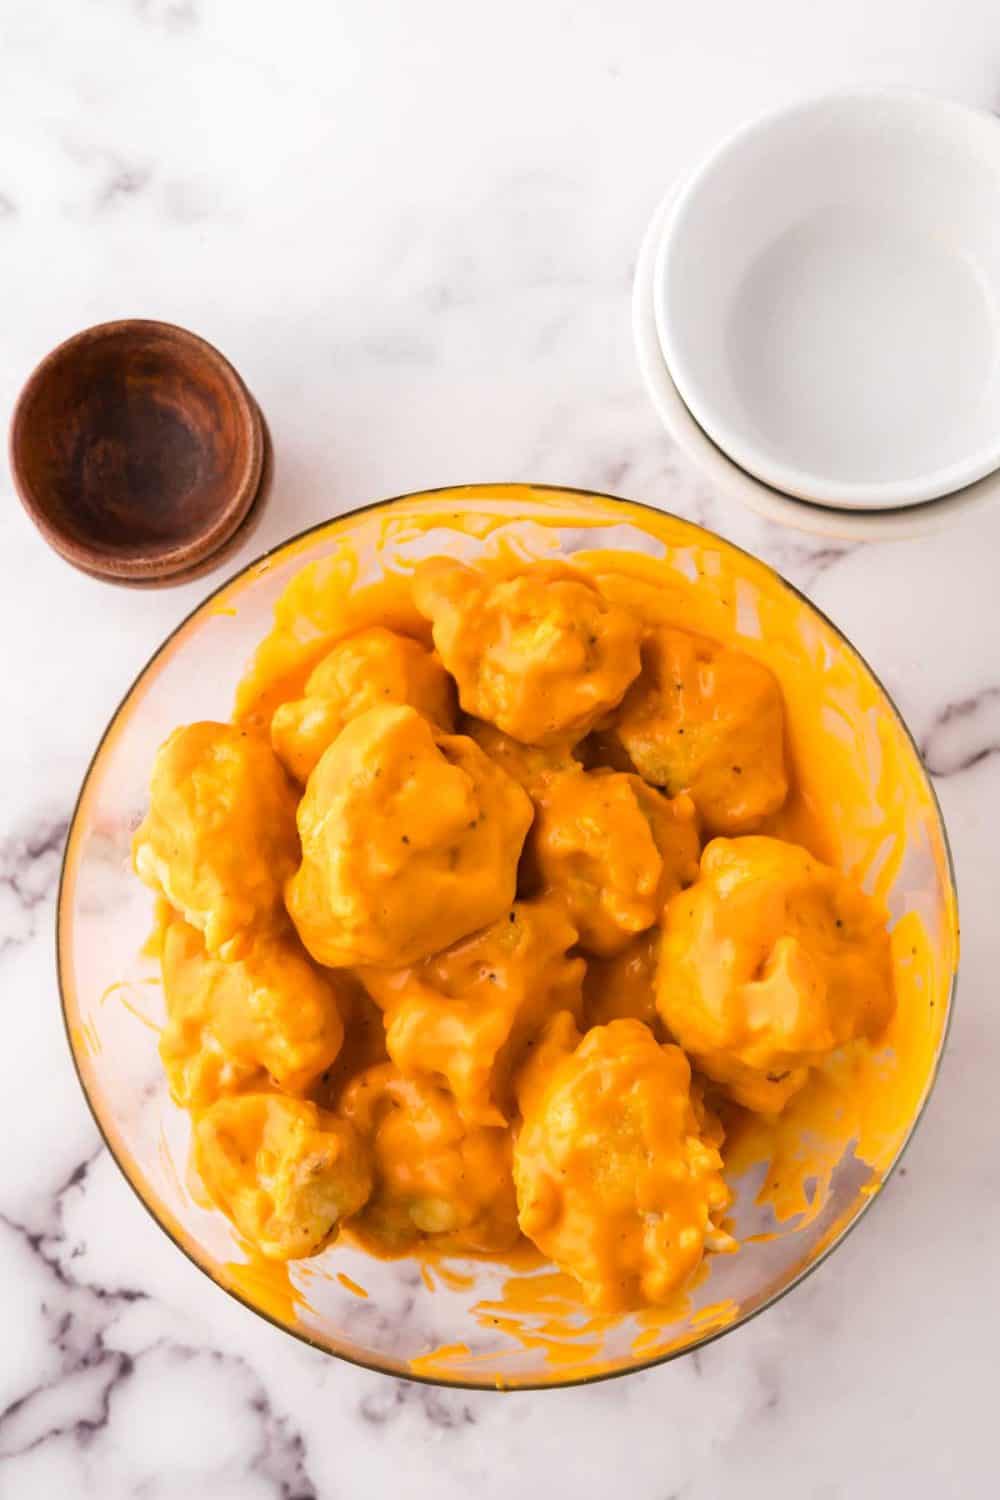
[[474, 1323]]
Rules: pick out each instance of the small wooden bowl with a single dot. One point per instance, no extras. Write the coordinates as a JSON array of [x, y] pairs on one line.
[[137, 451]]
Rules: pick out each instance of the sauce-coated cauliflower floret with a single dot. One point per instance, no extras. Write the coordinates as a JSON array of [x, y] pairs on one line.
[[556, 1040], [375, 666], [467, 1015], [613, 850], [284, 1171], [709, 721], [614, 1179], [219, 839], [435, 1176], [770, 962], [410, 841], [270, 1012], [542, 655]]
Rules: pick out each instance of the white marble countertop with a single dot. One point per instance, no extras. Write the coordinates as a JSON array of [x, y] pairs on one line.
[[412, 227]]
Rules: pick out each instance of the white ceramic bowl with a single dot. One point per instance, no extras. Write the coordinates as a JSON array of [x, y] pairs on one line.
[[730, 479], [827, 297]]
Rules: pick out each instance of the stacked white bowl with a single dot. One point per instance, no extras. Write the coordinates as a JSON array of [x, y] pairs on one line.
[[817, 313]]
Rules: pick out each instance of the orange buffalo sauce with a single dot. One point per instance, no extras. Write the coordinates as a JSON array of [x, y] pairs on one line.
[[788, 739], [614, 1179]]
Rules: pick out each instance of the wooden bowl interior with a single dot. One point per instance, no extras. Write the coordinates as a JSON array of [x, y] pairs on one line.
[[133, 442]]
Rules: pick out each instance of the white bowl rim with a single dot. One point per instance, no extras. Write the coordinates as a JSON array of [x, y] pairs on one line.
[[774, 473], [921, 519]]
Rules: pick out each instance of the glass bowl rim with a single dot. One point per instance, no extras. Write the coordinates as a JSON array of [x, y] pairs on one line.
[[375, 1365]]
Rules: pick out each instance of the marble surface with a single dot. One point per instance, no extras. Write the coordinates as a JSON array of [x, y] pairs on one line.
[[413, 228]]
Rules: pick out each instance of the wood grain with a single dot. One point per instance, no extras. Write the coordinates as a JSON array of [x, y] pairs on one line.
[[137, 451]]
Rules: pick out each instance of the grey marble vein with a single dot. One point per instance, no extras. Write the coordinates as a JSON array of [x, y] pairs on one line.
[[442, 1409], [963, 734], [76, 1402], [77, 1313], [29, 873], [116, 178], [806, 562]]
